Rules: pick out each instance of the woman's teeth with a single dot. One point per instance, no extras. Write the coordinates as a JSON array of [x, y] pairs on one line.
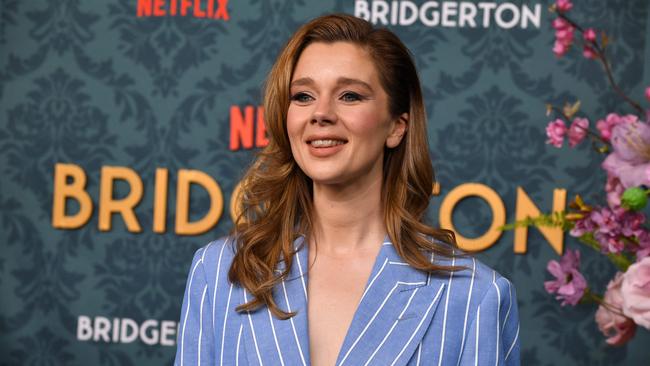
[[326, 143]]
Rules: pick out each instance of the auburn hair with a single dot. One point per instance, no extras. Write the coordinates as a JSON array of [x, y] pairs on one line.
[[275, 200]]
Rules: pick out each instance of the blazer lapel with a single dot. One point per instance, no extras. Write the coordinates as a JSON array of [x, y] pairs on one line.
[[393, 315], [395, 311], [270, 341]]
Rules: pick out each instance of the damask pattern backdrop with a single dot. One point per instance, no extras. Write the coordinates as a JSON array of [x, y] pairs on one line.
[[93, 84]]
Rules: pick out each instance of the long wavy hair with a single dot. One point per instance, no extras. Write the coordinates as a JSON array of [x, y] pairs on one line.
[[275, 200]]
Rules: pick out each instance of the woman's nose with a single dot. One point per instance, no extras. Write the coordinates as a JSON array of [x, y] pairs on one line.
[[324, 112]]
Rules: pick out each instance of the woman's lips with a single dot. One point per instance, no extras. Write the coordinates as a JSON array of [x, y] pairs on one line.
[[325, 147]]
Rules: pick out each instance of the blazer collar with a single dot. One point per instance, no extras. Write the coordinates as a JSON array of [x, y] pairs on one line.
[[395, 310]]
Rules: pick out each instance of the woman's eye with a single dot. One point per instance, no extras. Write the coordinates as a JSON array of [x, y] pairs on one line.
[[301, 97], [351, 97]]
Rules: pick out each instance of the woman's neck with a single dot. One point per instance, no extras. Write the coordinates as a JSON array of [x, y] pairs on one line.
[[348, 219]]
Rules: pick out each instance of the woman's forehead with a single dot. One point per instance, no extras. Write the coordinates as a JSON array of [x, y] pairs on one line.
[[337, 62]]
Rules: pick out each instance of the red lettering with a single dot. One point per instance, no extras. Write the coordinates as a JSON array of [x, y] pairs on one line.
[[158, 8], [210, 8], [241, 129], [144, 8], [198, 13], [260, 135], [222, 11], [185, 4], [173, 7]]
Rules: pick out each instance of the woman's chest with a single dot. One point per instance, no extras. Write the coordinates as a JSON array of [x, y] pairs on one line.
[[334, 293]]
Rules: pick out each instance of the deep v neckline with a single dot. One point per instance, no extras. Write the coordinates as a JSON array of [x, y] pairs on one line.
[[367, 282], [391, 318]]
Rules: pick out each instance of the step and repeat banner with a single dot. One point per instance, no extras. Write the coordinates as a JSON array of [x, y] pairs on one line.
[[126, 125]]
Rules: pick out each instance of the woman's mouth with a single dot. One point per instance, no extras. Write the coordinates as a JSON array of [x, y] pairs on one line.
[[325, 143]]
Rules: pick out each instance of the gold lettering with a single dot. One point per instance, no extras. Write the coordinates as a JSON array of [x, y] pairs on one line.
[[160, 200], [75, 190], [498, 215], [526, 208], [185, 179], [125, 206]]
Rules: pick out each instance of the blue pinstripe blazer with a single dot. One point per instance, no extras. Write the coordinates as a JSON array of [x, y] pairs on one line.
[[405, 316]]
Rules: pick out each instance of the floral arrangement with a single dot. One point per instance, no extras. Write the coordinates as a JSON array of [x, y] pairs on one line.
[[617, 227]]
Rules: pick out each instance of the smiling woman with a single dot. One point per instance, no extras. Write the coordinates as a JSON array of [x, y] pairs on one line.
[[338, 120], [330, 261]]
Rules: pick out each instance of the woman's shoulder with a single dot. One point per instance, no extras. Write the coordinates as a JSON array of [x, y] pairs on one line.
[[473, 271], [214, 258], [475, 277], [483, 304]]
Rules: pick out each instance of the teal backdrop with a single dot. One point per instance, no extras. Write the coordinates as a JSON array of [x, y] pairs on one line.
[[93, 84]]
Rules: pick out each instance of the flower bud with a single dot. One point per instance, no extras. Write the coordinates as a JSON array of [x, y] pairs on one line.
[[634, 199]]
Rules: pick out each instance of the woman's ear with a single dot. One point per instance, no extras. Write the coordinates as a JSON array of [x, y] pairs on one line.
[[400, 125]]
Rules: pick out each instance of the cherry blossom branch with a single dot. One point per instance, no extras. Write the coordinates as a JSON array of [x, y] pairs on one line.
[[600, 55], [593, 135]]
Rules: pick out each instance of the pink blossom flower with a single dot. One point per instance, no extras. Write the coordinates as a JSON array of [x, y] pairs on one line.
[[577, 131], [583, 226], [563, 40], [612, 227], [569, 284], [559, 24], [565, 35], [618, 328], [564, 5], [588, 52], [555, 132], [605, 126], [608, 229], [631, 222], [614, 190], [635, 291], [647, 93], [559, 49], [630, 160], [589, 35]]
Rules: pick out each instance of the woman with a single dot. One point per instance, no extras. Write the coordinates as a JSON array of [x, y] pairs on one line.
[[329, 262]]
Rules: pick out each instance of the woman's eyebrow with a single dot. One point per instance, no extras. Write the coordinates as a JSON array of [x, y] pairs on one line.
[[352, 81], [302, 82], [342, 81]]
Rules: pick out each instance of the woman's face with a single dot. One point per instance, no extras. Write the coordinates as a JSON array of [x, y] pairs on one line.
[[338, 120]]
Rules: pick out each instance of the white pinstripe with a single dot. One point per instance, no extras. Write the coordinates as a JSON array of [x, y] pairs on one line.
[[469, 299], [205, 289], [250, 320], [478, 325], [498, 319], [205, 251], [241, 326], [187, 311], [293, 326], [373, 280], [505, 320], [216, 284], [225, 320], [398, 263], [429, 273], [444, 319], [275, 337], [419, 354], [426, 314], [302, 275], [392, 327], [369, 323], [514, 341]]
